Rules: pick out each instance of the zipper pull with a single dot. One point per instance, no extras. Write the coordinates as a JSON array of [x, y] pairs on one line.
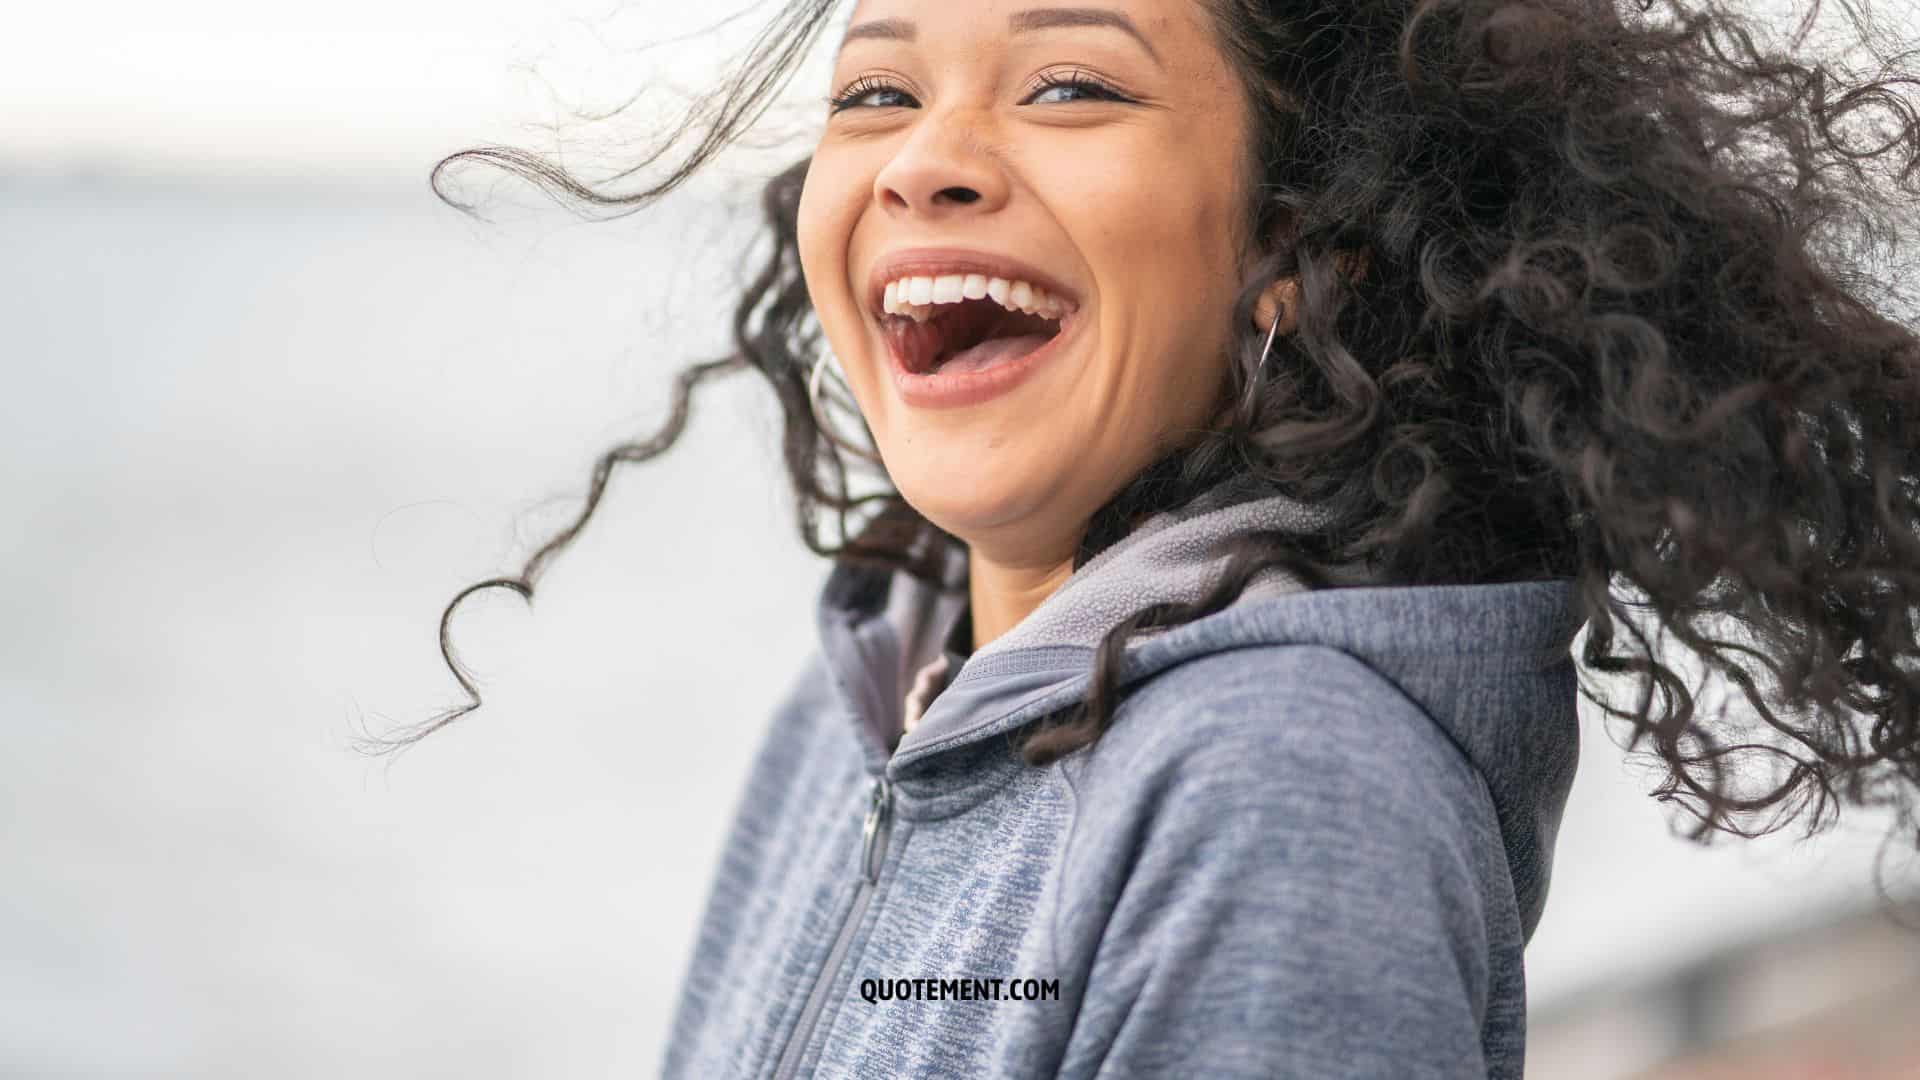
[[873, 846]]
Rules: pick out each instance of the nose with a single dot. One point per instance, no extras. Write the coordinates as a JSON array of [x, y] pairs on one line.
[[945, 167]]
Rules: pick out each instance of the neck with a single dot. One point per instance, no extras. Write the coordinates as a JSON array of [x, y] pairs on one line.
[[1002, 594]]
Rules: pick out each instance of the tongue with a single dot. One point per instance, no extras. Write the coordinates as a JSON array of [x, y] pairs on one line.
[[991, 352]]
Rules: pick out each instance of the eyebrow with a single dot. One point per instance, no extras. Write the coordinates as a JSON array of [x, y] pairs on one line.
[[1017, 23]]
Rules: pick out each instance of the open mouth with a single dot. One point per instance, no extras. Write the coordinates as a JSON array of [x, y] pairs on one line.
[[971, 335]]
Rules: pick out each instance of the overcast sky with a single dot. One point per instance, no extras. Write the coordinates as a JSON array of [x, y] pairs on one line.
[[358, 86]]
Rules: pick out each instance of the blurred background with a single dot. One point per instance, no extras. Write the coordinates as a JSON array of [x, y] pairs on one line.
[[269, 404]]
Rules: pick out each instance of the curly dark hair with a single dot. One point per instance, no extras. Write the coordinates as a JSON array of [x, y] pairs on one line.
[[1616, 323]]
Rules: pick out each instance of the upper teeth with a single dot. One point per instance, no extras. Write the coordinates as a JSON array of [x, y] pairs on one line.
[[916, 297]]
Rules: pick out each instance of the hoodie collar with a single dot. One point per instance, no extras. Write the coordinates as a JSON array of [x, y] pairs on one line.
[[880, 627]]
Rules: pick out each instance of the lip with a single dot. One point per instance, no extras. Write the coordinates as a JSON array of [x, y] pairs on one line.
[[953, 390], [931, 261]]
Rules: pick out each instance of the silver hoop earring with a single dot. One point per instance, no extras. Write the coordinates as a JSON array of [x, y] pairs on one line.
[[820, 418], [1253, 377]]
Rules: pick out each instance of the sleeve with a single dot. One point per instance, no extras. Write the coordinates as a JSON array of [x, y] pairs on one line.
[[1301, 890]]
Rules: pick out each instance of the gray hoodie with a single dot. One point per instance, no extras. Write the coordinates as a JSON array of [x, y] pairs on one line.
[[1313, 843]]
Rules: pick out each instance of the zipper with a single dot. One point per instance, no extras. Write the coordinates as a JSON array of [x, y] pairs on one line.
[[873, 854]]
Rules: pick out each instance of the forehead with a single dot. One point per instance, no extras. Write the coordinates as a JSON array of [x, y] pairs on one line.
[[1157, 26]]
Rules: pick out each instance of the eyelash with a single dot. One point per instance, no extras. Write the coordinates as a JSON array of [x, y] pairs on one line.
[[867, 84]]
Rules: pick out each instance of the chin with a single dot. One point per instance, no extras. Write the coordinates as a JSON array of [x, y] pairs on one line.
[[972, 505]]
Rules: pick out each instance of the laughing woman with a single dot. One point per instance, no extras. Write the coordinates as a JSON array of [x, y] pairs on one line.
[[1261, 397]]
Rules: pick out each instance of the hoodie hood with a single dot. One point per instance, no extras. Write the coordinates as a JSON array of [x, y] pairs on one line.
[[1489, 664]]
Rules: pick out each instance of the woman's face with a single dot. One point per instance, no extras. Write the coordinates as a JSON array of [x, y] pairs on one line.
[[1125, 195]]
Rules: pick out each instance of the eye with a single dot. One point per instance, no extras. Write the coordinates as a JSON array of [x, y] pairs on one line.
[[1089, 90], [858, 89], [1075, 80]]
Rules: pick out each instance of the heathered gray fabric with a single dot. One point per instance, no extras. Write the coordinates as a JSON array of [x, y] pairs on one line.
[[1313, 843]]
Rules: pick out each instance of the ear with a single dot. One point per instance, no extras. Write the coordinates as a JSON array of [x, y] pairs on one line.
[[1284, 291], [1273, 300]]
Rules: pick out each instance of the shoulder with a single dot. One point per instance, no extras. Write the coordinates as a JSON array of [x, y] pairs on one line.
[[1279, 730], [1283, 830], [1276, 702]]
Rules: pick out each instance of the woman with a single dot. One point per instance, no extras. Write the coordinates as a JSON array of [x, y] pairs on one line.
[[1265, 395]]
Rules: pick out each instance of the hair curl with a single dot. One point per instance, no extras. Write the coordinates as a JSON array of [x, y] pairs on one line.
[[1613, 325]]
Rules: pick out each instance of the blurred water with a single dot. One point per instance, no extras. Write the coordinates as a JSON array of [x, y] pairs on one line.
[[254, 439]]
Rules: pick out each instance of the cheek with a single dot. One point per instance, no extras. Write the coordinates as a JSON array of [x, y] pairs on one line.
[[1156, 237], [1169, 249], [813, 226], [829, 209], [1170, 265]]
